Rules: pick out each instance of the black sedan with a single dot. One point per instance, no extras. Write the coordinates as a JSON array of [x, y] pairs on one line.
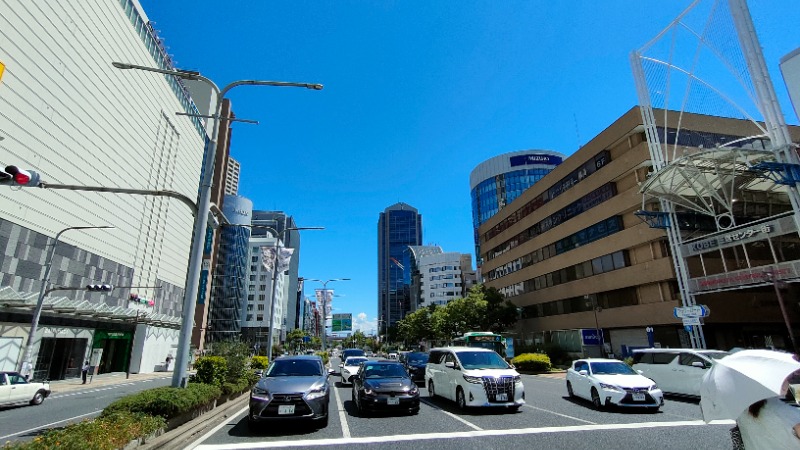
[[384, 385], [293, 387], [415, 363]]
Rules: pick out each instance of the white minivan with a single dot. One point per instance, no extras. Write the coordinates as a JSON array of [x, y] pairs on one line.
[[473, 376], [676, 370]]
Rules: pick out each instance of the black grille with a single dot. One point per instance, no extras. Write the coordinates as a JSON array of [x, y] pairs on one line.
[[499, 385], [628, 399], [301, 408]]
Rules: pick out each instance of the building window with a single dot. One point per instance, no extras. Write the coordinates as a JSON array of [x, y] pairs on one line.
[[260, 317], [261, 307], [249, 317], [262, 297], [250, 307], [254, 259], [251, 297]]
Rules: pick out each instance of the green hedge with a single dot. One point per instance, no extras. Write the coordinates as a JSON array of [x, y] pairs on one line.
[[324, 356], [259, 362], [109, 432], [211, 370], [532, 362], [166, 402], [241, 385]]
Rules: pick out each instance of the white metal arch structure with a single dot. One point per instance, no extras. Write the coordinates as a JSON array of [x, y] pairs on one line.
[[695, 66]]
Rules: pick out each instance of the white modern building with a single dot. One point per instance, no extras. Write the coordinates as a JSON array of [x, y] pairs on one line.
[[257, 310], [67, 114], [439, 277]]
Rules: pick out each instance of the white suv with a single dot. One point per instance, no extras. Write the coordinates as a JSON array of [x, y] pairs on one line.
[[473, 377]]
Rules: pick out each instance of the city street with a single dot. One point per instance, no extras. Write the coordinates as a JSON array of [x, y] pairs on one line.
[[549, 420], [21, 423]]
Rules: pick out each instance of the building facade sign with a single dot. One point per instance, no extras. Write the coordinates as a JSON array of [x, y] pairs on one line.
[[741, 235], [535, 158], [739, 278]]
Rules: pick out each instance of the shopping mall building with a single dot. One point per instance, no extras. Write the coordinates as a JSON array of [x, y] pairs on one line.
[[574, 256]]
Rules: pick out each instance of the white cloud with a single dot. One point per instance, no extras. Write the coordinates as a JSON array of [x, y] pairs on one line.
[[365, 324]]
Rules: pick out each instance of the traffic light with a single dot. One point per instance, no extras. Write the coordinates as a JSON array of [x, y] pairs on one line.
[[99, 287], [23, 177]]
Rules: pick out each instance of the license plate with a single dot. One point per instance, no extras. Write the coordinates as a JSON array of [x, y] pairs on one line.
[[285, 409], [502, 397], [392, 401], [638, 397]]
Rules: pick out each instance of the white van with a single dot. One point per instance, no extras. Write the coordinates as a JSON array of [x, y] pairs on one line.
[[676, 370], [473, 376]]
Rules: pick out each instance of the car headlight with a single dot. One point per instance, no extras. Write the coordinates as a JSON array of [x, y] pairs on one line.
[[413, 391], [368, 391], [260, 394], [517, 379], [317, 392], [610, 387], [471, 379], [653, 387]]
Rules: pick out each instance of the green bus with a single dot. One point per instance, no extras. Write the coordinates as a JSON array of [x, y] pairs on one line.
[[482, 339]]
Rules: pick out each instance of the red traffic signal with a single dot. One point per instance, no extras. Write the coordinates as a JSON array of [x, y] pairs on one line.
[[99, 287], [23, 177]]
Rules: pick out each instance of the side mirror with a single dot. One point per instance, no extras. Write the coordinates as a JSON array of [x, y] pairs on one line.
[[331, 371], [698, 364], [583, 372], [450, 365], [640, 372]]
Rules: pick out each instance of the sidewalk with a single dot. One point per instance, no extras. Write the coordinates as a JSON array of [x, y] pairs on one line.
[[102, 380]]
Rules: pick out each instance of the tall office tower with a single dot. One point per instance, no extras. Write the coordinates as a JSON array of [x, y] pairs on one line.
[[399, 226], [229, 281], [232, 177], [258, 309], [496, 182], [280, 221], [437, 277]]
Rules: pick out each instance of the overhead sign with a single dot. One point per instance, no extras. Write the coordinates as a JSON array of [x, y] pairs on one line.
[[741, 235], [736, 278], [342, 322], [691, 311]]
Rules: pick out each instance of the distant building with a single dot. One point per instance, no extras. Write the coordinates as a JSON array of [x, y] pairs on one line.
[[399, 226], [257, 310], [438, 277], [232, 177], [497, 181]]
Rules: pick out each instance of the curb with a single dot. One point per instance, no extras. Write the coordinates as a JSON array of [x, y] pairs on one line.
[[187, 433]]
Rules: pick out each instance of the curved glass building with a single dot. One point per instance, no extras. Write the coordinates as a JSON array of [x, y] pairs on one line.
[[496, 182]]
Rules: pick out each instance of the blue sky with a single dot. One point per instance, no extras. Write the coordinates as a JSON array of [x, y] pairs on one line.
[[417, 93]]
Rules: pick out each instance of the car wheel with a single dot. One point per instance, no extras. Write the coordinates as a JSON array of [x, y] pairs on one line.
[[570, 392], [252, 425], [431, 390], [38, 398], [461, 401], [514, 408], [653, 409], [598, 404]]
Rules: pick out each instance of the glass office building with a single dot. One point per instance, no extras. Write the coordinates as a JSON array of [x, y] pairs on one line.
[[496, 182], [399, 226]]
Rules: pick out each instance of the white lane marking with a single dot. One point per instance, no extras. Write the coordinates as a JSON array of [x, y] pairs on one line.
[[342, 414], [562, 415], [459, 435], [462, 420], [216, 428], [50, 424]]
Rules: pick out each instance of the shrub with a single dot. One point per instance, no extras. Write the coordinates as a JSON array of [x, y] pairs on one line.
[[259, 362], [629, 360], [237, 358], [166, 402], [532, 362], [211, 370], [324, 356], [110, 432]]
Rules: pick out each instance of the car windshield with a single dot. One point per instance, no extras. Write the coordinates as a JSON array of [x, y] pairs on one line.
[[417, 358], [715, 355], [294, 368], [354, 361], [481, 360], [384, 371], [611, 368]]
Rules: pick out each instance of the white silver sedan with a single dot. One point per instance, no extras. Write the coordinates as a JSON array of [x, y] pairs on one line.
[[15, 389], [350, 367], [607, 382]]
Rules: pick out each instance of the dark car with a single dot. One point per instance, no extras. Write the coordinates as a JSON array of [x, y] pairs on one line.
[[384, 385], [415, 363], [293, 387]]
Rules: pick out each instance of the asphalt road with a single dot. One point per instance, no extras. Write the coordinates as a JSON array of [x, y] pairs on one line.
[[549, 420], [58, 410]]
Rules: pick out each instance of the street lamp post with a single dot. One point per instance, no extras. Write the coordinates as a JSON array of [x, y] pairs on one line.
[[26, 365], [179, 378], [324, 306], [597, 328]]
